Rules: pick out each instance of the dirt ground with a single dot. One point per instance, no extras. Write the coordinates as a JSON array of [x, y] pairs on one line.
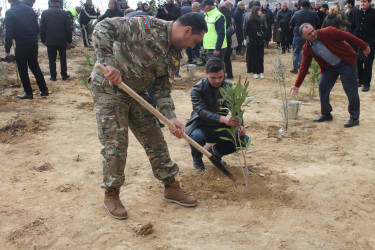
[[312, 188]]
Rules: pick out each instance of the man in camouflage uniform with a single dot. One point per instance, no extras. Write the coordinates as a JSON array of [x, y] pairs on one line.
[[135, 51]]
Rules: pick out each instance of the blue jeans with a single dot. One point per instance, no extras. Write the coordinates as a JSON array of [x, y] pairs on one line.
[[297, 44], [204, 134], [328, 80]]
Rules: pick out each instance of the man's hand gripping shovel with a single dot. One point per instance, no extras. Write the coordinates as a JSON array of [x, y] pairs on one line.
[[161, 117]]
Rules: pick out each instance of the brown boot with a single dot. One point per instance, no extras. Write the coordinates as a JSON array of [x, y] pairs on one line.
[[114, 206], [175, 194]]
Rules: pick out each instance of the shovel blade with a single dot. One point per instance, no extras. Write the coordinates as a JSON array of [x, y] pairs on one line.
[[221, 167]]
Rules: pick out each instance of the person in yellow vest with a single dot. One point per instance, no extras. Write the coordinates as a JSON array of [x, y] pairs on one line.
[[73, 13], [214, 41]]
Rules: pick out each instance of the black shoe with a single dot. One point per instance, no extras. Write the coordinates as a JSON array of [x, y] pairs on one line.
[[365, 88], [44, 93], [240, 54], [217, 156], [53, 78], [324, 118], [177, 75], [360, 84], [351, 123], [294, 71], [25, 96], [198, 164], [64, 77]]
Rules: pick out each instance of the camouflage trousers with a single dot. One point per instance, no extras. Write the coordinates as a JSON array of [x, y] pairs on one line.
[[116, 112]]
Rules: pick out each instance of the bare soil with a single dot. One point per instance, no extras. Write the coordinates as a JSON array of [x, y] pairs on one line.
[[311, 188]]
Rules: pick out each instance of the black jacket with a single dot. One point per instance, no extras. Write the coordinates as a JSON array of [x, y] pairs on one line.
[[87, 14], [205, 106], [21, 24], [238, 19], [55, 28], [363, 24], [334, 21], [174, 12], [228, 15], [304, 15], [111, 13], [322, 15], [251, 28], [283, 18]]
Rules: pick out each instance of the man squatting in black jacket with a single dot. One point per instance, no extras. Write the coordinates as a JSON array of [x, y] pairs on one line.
[[85, 17], [56, 34], [209, 115], [21, 24]]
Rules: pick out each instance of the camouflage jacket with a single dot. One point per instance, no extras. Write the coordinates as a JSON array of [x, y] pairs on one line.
[[139, 47]]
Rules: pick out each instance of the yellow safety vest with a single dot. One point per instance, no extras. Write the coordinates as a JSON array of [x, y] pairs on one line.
[[210, 38], [74, 12]]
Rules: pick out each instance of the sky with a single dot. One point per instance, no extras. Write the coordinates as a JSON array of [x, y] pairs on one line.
[[43, 4]]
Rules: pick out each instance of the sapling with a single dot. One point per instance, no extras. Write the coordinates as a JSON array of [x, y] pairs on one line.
[[279, 75], [234, 99], [314, 78]]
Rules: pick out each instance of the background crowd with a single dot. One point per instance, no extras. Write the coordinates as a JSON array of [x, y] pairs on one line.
[[245, 28]]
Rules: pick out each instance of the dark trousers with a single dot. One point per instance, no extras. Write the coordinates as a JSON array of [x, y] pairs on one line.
[[256, 58], [85, 35], [204, 134], [27, 57], [227, 59], [328, 80], [210, 53], [52, 53], [195, 51], [365, 66], [248, 61], [239, 35], [285, 36]]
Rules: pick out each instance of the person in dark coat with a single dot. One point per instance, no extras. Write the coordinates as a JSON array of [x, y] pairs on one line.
[[334, 20], [322, 13], [238, 25], [88, 13], [282, 19], [208, 115], [363, 26], [170, 11], [56, 34], [21, 25], [254, 32], [270, 21], [185, 7], [226, 11], [276, 33], [112, 11], [304, 15]]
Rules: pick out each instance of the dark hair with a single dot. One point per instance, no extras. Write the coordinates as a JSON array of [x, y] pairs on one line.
[[305, 4], [256, 3], [350, 1], [195, 21], [324, 5], [250, 5], [143, 7], [253, 16], [214, 65]]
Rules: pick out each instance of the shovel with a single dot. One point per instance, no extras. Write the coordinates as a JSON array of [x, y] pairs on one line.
[[170, 124]]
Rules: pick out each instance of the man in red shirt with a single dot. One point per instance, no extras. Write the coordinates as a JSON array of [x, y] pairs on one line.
[[330, 49]]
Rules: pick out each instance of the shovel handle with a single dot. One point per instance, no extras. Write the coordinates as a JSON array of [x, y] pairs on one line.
[[154, 111]]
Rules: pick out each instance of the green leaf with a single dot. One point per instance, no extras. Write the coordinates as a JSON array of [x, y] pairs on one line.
[[225, 138]]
